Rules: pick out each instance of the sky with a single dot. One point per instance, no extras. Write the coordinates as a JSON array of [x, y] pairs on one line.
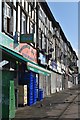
[[66, 13]]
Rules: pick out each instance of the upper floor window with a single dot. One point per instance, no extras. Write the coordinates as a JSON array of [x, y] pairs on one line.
[[23, 23], [8, 19], [40, 38], [57, 33], [31, 11], [31, 27], [46, 20]]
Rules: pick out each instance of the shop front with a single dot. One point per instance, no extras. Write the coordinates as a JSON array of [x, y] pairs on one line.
[[53, 67], [25, 78], [63, 76], [9, 68], [59, 77], [30, 74], [44, 80], [20, 76]]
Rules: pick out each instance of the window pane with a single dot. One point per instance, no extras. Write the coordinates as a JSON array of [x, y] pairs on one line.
[[14, 23], [23, 24], [31, 27], [8, 19]]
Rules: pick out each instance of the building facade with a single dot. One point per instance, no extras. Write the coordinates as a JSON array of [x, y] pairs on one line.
[[35, 51]]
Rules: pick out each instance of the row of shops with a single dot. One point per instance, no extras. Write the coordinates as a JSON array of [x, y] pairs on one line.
[[24, 81]]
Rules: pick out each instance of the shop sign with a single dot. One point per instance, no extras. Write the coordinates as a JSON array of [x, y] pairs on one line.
[[28, 52], [26, 38], [6, 41], [53, 65], [42, 59], [38, 71]]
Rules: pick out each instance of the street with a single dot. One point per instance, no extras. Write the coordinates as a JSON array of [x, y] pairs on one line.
[[64, 104]]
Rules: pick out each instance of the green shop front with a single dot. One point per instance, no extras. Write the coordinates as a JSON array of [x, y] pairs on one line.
[[9, 78], [9, 64]]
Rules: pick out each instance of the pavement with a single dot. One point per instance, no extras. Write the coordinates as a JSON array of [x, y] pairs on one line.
[[62, 105]]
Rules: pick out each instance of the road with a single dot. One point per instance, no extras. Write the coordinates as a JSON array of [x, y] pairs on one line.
[[60, 105]]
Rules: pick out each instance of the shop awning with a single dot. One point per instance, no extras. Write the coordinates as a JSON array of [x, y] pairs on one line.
[[37, 69], [10, 54], [30, 65]]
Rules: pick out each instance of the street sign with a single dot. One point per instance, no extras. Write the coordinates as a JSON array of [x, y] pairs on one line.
[[26, 38]]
